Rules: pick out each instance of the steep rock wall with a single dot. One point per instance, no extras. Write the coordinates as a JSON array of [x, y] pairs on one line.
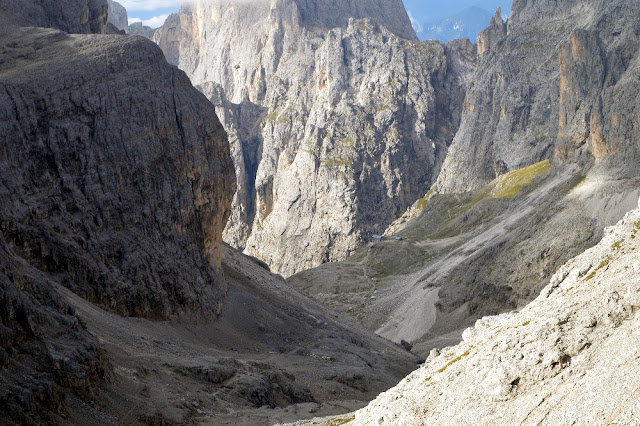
[[72, 16], [559, 84], [47, 356], [116, 173], [334, 133], [118, 15]]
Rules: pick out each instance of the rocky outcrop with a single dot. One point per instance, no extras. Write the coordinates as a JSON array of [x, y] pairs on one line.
[[323, 15], [118, 15], [489, 38], [525, 367], [558, 85], [336, 127], [137, 28], [72, 16], [47, 357], [131, 200]]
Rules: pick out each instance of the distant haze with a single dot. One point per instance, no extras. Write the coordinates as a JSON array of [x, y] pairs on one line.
[[454, 18], [431, 19]]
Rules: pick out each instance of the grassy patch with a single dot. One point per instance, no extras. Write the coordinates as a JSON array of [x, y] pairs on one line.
[[335, 162], [510, 184], [603, 264], [421, 204], [270, 117], [453, 361], [617, 245]]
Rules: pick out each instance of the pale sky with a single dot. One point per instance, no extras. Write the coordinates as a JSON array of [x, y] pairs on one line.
[[152, 13]]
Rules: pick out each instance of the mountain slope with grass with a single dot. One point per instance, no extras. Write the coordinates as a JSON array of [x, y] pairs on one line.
[[545, 157]]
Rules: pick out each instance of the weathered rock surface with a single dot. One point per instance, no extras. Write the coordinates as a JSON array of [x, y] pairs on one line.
[[336, 125], [137, 28], [72, 16], [117, 178], [560, 83], [464, 255], [118, 15], [116, 184], [46, 354], [570, 357]]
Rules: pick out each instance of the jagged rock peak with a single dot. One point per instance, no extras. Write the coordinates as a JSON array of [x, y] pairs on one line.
[[336, 13], [72, 16], [334, 133], [492, 35], [326, 14], [561, 72]]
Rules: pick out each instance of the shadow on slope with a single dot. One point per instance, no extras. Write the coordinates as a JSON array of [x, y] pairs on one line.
[[270, 348], [465, 256]]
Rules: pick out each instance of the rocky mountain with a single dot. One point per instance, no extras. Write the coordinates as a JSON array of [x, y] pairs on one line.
[[172, 176], [514, 200], [116, 288], [138, 28], [337, 124], [74, 16], [554, 83], [569, 357], [118, 15]]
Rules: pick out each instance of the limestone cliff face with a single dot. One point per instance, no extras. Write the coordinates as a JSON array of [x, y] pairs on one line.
[[559, 84], [118, 15], [72, 16], [525, 367], [336, 125], [116, 174]]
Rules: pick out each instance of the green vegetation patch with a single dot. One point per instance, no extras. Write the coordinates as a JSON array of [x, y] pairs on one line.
[[338, 422], [603, 264], [617, 245], [270, 117], [453, 361], [509, 185], [336, 162], [422, 202]]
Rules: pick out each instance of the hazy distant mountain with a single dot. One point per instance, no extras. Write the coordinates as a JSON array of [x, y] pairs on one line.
[[452, 19], [466, 24]]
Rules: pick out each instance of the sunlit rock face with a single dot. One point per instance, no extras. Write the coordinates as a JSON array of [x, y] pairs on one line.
[[337, 124], [557, 81]]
